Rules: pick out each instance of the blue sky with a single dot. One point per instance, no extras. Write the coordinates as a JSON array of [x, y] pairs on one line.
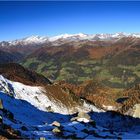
[[22, 19]]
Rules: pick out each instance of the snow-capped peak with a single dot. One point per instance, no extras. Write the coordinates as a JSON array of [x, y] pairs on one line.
[[82, 35], [68, 36], [36, 39], [33, 38], [119, 35], [137, 35], [29, 40]]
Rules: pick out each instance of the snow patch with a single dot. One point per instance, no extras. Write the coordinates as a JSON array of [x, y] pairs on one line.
[[35, 95], [109, 107], [83, 120]]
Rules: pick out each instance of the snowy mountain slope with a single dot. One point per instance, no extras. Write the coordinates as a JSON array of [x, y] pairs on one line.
[[37, 96]]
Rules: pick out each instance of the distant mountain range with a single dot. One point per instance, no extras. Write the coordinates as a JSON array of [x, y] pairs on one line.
[[67, 37]]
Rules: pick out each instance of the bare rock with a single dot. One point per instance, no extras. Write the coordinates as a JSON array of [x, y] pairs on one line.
[[42, 138], [57, 124], [56, 130], [1, 104], [82, 117], [0, 119]]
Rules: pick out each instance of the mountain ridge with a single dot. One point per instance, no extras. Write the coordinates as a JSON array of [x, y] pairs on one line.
[[81, 36]]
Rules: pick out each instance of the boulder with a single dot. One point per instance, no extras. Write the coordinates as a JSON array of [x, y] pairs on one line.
[[3, 137], [1, 104], [55, 123], [56, 130], [83, 120], [42, 138], [136, 111], [82, 117], [49, 109], [0, 119]]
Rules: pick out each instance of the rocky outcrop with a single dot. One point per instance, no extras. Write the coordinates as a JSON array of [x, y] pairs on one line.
[[95, 93], [6, 87]]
